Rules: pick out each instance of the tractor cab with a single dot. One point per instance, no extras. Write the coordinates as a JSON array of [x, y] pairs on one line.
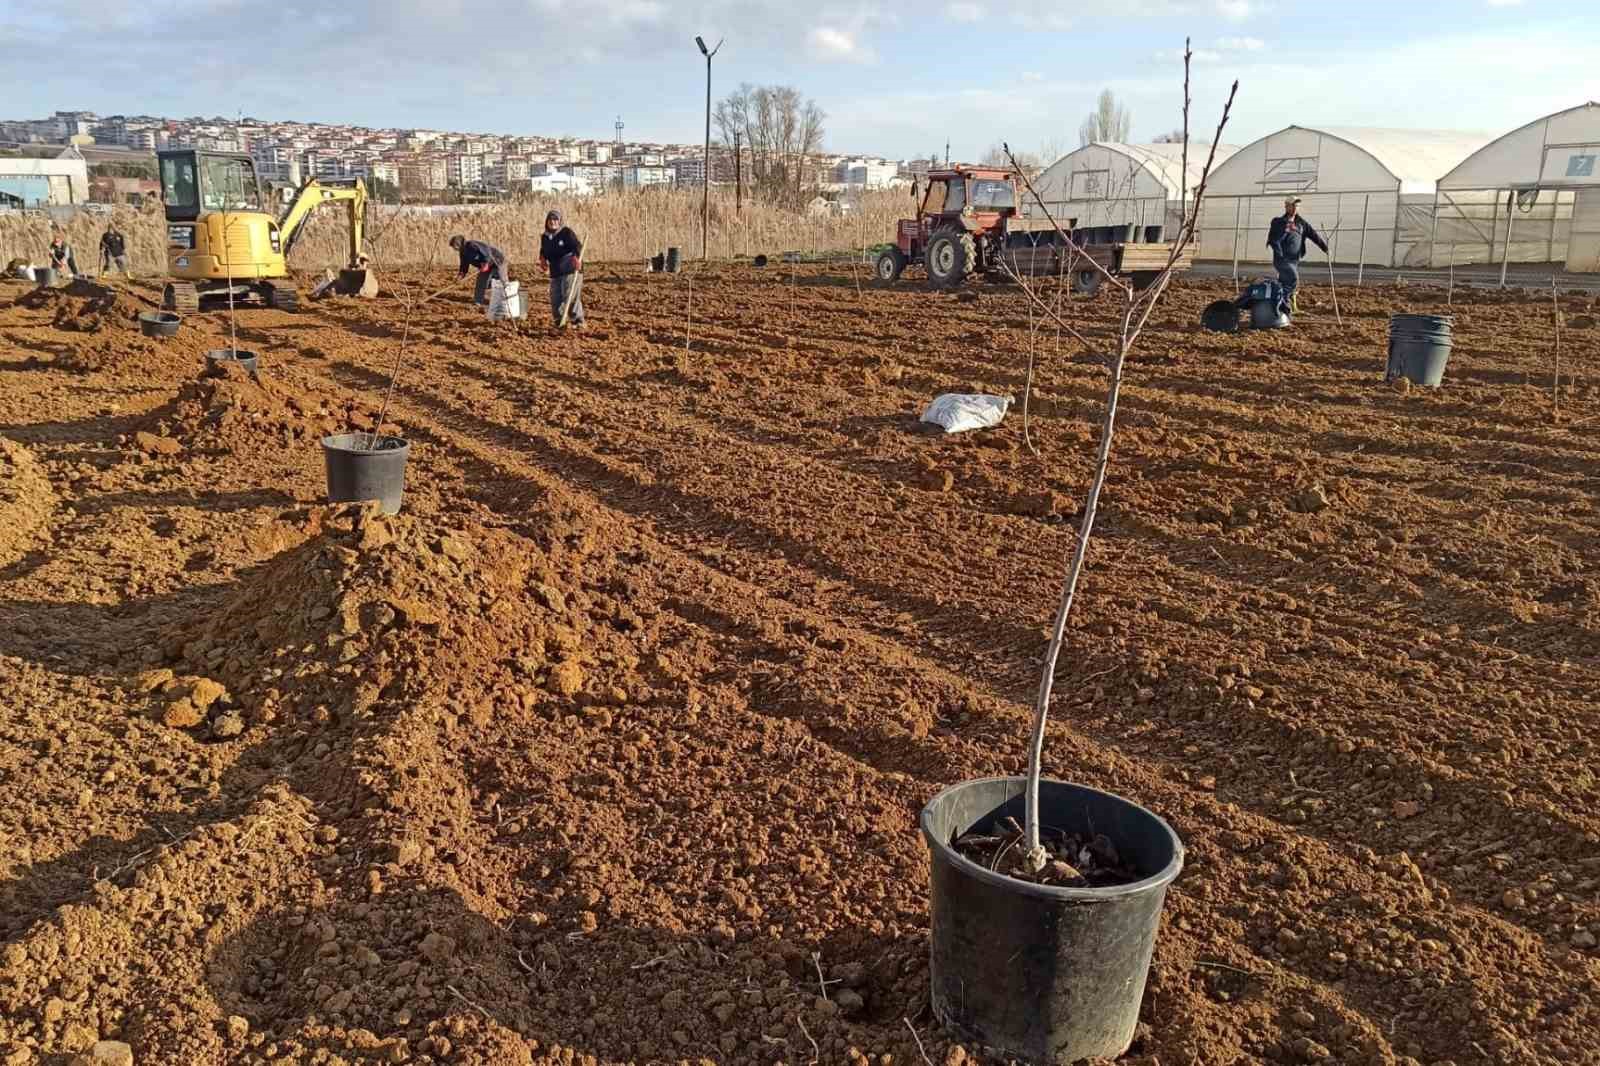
[[195, 182], [951, 192], [964, 219]]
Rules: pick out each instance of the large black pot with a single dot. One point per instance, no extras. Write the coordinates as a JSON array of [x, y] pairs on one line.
[[1044, 974], [159, 323], [1419, 347], [366, 466], [244, 359]]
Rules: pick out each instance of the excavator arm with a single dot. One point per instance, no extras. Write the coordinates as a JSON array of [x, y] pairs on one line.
[[355, 279], [312, 194]]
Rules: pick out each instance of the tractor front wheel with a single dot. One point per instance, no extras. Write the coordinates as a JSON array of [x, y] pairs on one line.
[[1087, 281], [950, 258], [890, 265]]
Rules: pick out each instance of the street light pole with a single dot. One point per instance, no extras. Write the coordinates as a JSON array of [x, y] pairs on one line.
[[705, 177]]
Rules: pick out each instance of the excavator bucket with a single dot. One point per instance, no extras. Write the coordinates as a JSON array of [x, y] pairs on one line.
[[357, 282]]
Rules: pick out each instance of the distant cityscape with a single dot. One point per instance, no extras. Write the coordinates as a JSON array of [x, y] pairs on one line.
[[417, 163]]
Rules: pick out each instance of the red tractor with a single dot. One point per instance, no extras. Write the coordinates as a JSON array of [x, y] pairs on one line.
[[970, 221]]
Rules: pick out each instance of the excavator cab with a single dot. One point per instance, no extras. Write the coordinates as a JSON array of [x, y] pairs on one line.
[[224, 240]]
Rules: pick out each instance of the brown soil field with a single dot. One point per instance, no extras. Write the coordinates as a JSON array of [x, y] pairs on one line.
[[609, 747]]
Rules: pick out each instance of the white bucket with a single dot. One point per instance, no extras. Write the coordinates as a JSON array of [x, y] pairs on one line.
[[506, 300]]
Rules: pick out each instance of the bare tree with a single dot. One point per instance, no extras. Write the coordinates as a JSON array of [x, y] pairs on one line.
[[781, 131], [1171, 137], [1109, 121], [1137, 307], [1030, 163]]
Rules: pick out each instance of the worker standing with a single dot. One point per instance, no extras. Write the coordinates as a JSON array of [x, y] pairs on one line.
[[561, 253], [1287, 238], [114, 251], [61, 258], [486, 259]]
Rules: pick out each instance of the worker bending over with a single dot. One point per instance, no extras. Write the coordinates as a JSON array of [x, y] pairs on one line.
[[486, 259], [561, 253], [1287, 238], [61, 258]]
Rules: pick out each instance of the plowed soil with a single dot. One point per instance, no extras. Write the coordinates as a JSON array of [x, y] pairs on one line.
[[609, 747]]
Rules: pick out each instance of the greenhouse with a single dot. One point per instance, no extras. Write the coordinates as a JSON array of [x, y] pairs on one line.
[[1530, 196], [1108, 183], [1369, 191]]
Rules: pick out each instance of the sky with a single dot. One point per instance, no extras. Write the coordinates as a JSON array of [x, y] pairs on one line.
[[896, 79]]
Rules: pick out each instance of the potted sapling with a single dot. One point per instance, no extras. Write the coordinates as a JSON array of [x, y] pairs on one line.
[[1046, 896]]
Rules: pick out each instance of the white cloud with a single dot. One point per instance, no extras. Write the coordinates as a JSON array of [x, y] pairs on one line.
[[828, 42], [1032, 75], [964, 12], [1236, 9], [1174, 55], [1241, 44]]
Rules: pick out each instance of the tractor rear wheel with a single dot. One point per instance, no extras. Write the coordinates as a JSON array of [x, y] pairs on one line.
[[1087, 281], [890, 265], [951, 256]]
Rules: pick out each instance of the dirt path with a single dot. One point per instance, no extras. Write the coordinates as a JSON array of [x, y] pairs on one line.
[[617, 734]]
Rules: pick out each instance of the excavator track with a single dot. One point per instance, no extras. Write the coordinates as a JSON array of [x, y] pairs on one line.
[[281, 297], [180, 296]]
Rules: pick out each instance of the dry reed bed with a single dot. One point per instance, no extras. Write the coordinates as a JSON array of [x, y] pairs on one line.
[[624, 226]]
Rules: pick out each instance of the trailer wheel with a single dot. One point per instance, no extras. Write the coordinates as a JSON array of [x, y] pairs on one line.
[[890, 265], [950, 258], [1087, 282]]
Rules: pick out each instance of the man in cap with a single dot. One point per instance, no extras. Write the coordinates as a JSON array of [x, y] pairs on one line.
[[486, 259], [561, 253], [61, 257], [114, 251], [1287, 238]]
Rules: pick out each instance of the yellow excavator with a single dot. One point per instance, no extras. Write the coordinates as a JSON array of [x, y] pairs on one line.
[[223, 238]]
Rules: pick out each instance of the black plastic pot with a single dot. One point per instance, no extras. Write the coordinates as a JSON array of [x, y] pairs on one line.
[[759, 261], [159, 323], [1220, 316], [366, 466], [44, 277], [1419, 348], [1266, 314], [673, 258], [1048, 975], [658, 263], [217, 358]]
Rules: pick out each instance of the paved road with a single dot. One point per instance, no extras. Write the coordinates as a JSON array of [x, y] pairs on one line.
[[1531, 276]]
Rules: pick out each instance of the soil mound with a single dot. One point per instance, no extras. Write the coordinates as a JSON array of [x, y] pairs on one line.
[[84, 307], [371, 607], [26, 500], [230, 407]]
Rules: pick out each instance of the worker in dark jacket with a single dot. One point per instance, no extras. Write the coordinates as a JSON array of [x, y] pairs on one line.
[[486, 259], [114, 251], [561, 253], [1287, 238]]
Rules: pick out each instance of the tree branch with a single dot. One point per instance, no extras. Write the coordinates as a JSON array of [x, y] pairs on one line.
[[1136, 313]]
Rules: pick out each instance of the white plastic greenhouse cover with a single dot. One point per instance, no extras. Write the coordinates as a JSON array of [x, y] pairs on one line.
[[1311, 159], [1519, 158], [1164, 162], [1417, 158]]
